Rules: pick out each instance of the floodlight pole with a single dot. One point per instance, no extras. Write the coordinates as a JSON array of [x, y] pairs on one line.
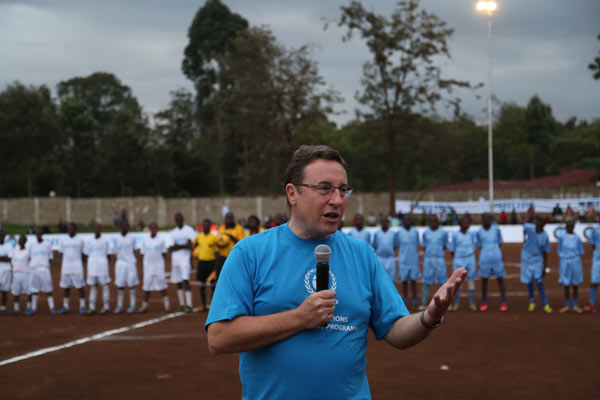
[[490, 147]]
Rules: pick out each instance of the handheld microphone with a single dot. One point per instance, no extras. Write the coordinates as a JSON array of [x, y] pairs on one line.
[[322, 254]]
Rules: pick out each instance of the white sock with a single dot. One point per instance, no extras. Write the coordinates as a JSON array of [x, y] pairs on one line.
[[82, 302], [120, 295], [28, 306], [66, 302], [50, 300], [92, 299], [106, 296], [34, 301], [167, 302], [144, 305], [188, 297], [17, 306], [180, 297], [131, 297]]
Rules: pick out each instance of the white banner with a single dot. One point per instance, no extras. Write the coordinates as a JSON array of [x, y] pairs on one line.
[[481, 206]]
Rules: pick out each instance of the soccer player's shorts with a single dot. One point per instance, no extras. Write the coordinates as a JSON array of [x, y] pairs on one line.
[[71, 280], [40, 280], [93, 280], [570, 271], [180, 269], [595, 271], [204, 269], [434, 271], [389, 265], [20, 283], [411, 273], [468, 263], [154, 283], [491, 267], [531, 271], [5, 280], [126, 274]]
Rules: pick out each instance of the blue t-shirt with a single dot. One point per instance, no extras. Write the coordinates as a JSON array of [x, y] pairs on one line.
[[385, 243], [463, 244], [434, 242], [489, 240], [274, 271], [363, 234], [409, 247], [569, 246], [595, 241], [535, 244]]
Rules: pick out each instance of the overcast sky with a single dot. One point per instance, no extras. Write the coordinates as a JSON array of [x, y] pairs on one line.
[[539, 46]]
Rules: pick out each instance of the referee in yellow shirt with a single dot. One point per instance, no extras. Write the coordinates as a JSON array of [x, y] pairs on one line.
[[204, 252]]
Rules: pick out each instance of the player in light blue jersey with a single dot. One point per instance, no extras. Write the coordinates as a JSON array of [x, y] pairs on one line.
[[534, 260], [595, 275], [386, 246], [491, 261], [462, 248], [408, 257], [570, 250], [358, 231], [435, 241]]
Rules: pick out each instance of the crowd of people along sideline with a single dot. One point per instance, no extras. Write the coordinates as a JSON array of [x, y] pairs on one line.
[[25, 267], [398, 253]]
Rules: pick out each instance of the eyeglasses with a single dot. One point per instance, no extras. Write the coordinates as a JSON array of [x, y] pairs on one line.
[[325, 189]]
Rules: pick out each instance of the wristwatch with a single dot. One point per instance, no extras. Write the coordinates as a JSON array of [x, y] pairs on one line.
[[425, 324]]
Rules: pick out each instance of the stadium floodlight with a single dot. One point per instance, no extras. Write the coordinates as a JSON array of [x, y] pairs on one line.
[[489, 7]]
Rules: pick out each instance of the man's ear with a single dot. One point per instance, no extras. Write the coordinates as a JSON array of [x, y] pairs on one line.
[[291, 192]]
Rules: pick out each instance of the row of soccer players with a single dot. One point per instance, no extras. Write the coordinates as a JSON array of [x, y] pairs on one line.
[[404, 243], [31, 268]]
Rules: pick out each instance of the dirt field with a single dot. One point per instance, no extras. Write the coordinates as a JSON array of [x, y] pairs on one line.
[[492, 355]]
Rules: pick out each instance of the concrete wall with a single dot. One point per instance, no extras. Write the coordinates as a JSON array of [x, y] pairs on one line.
[[48, 211]]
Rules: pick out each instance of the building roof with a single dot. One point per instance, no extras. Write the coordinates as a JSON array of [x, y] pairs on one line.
[[573, 176]]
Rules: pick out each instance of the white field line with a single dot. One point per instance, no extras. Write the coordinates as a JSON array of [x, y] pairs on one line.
[[83, 340]]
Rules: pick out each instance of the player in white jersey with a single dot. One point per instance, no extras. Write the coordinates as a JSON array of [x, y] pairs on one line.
[[98, 250], [40, 279], [71, 271], [153, 250], [20, 285], [182, 237], [5, 270], [126, 274]]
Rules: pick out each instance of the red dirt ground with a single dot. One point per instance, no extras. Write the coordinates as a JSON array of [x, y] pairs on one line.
[[489, 355]]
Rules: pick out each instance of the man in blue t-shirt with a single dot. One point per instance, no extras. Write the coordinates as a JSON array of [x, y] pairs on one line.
[[358, 231], [266, 305], [491, 261]]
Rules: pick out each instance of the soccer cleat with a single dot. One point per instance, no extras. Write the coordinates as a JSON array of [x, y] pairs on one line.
[[63, 310], [454, 307], [14, 312], [2, 309], [181, 308], [577, 310], [131, 310], [168, 309], [82, 310], [29, 312], [118, 310], [503, 307], [483, 307], [589, 308], [564, 310], [89, 312], [531, 307], [53, 311], [547, 309], [201, 309], [104, 311], [187, 309], [143, 309], [473, 307]]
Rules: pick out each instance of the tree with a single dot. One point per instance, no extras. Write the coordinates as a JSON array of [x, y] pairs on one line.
[[595, 66], [402, 78], [28, 133]]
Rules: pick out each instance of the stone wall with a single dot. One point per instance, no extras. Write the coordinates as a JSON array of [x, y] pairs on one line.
[[48, 211]]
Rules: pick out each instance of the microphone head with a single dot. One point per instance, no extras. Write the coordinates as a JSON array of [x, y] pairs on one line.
[[322, 254]]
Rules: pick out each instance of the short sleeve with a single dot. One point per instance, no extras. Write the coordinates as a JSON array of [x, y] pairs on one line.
[[234, 295]]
